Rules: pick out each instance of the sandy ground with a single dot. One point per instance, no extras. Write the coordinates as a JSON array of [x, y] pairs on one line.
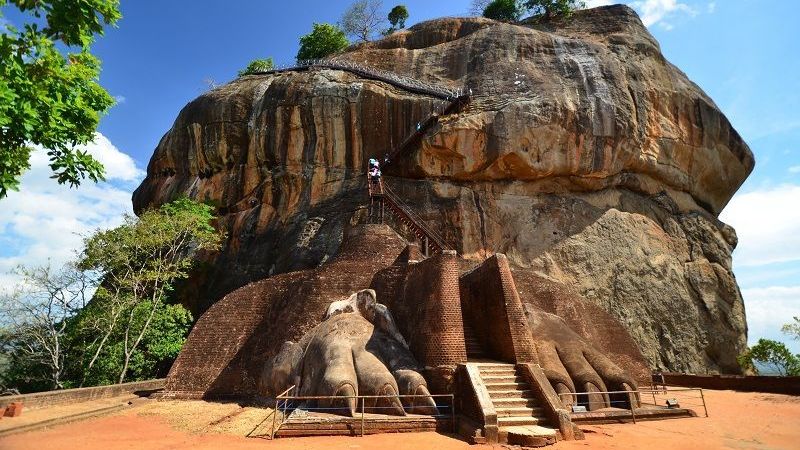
[[737, 421]]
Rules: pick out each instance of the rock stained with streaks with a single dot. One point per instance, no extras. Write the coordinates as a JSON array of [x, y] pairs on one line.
[[584, 156]]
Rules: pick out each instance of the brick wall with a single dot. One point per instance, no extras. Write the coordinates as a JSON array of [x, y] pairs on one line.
[[227, 348], [70, 396], [775, 385], [427, 308], [492, 306]]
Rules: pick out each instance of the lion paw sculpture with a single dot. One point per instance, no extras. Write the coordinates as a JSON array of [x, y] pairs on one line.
[[356, 351]]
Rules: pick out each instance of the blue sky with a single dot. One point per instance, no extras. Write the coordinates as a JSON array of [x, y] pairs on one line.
[[741, 52]]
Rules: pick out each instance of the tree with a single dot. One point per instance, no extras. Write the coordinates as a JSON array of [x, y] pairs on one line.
[[139, 261], [397, 17], [325, 39], [160, 345], [478, 7], [363, 19], [504, 10], [793, 329], [35, 318], [49, 91], [553, 8], [772, 355], [258, 65]]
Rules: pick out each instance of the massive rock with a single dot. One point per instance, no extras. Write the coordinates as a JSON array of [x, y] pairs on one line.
[[584, 156]]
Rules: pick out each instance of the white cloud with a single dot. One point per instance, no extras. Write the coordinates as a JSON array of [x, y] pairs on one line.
[[767, 222], [712, 6], [653, 11], [794, 169], [120, 99], [770, 308], [118, 165], [44, 220]]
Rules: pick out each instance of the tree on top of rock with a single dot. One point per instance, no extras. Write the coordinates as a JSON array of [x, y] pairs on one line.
[[325, 39], [49, 91], [503, 10], [363, 19], [397, 17], [478, 7], [553, 8], [258, 65]]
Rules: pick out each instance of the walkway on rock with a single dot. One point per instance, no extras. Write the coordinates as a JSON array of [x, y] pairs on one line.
[[432, 242], [409, 84]]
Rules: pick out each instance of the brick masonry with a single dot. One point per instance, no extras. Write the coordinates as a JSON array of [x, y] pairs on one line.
[[426, 305], [492, 306], [774, 385], [230, 343], [70, 396]]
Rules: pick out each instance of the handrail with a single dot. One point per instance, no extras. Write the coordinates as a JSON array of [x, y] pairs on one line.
[[278, 398], [405, 82], [399, 208], [286, 399], [283, 394], [638, 393]]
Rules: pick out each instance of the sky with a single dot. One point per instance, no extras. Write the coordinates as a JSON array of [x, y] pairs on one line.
[[163, 54]]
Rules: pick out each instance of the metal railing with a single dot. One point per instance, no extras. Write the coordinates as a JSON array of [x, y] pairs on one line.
[[417, 224], [402, 81], [639, 397], [287, 406]]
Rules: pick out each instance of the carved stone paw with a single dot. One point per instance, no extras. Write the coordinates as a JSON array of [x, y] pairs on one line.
[[574, 365], [347, 355]]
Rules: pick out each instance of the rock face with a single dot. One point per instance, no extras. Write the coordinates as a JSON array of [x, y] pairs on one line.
[[584, 156]]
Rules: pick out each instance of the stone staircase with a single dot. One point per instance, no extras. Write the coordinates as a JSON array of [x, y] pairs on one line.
[[520, 418]]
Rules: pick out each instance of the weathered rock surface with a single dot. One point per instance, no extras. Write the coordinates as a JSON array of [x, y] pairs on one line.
[[585, 156]]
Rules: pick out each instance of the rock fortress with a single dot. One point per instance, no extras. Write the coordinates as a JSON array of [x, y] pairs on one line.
[[543, 237]]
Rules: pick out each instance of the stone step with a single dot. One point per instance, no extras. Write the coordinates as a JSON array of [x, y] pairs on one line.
[[511, 421], [521, 386], [488, 379], [514, 402], [510, 394], [529, 435], [520, 411], [497, 374], [497, 369]]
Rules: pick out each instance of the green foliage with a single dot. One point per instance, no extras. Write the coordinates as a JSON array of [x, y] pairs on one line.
[[772, 355], [160, 345], [51, 337], [257, 65], [793, 329], [504, 10], [51, 98], [553, 8], [397, 17], [325, 39]]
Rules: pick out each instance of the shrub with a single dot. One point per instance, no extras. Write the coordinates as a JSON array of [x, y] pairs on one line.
[[325, 39], [504, 10], [257, 65]]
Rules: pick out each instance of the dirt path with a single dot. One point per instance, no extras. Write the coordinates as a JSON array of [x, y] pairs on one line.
[[737, 421]]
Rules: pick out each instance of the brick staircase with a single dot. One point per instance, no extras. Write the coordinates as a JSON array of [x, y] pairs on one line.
[[474, 349], [520, 418]]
